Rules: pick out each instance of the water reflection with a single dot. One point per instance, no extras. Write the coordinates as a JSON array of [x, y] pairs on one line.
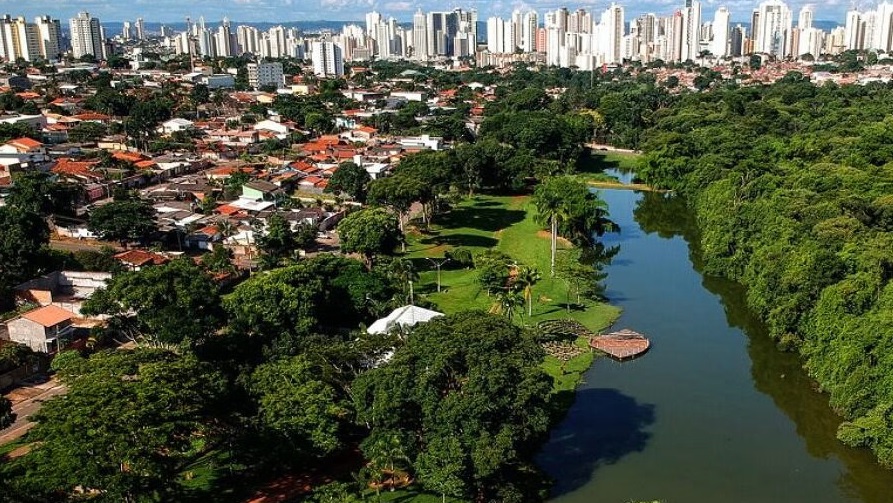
[[778, 375], [608, 425]]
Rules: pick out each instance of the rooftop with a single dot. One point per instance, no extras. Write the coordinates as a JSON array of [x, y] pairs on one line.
[[48, 316]]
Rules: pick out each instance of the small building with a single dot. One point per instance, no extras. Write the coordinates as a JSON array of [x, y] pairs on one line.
[[135, 260], [219, 81], [175, 125], [45, 329], [260, 190]]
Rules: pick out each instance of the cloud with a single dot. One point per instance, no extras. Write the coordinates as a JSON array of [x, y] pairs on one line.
[[354, 10]]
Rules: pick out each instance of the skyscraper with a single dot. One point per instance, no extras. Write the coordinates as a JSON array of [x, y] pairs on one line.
[[854, 31], [611, 34], [691, 29], [774, 33], [49, 34], [86, 36], [327, 58], [420, 36], [140, 29], [720, 45]]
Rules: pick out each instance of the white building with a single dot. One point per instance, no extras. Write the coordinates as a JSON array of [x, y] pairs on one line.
[[773, 34], [265, 74], [720, 45], [327, 59], [50, 35], [86, 36]]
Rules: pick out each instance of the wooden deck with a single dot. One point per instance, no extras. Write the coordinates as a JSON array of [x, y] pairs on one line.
[[621, 345]]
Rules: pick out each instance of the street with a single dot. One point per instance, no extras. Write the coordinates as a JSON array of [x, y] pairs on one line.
[[26, 401]]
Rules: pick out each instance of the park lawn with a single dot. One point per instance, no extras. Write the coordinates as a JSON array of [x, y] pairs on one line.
[[508, 224]]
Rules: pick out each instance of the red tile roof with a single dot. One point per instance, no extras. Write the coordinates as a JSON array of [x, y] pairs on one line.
[[48, 316], [25, 142], [68, 166], [92, 117], [139, 258]]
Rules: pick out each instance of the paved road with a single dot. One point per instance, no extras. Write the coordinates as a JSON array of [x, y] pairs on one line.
[[28, 407]]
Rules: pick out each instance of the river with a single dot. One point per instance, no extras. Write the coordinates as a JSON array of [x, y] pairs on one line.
[[713, 413]]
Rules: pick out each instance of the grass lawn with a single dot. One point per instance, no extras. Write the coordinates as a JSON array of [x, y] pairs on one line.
[[506, 223]]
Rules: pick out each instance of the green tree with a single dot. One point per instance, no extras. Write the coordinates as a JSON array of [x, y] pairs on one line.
[[474, 379], [219, 260], [127, 220], [36, 192], [278, 241], [351, 179], [572, 210], [442, 468], [525, 279], [87, 132], [369, 232], [125, 428], [23, 237], [296, 407], [7, 416], [171, 304]]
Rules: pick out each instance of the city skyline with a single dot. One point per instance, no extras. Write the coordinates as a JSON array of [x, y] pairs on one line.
[[271, 11]]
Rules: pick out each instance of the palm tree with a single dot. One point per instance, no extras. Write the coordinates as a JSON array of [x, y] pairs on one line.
[[403, 272], [506, 303], [550, 207], [525, 278]]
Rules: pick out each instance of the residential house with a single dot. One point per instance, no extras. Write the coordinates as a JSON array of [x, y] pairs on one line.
[[24, 152], [260, 190], [176, 125], [135, 260], [65, 289], [204, 238], [45, 329]]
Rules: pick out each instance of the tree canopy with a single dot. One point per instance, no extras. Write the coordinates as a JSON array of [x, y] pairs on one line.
[[466, 421]]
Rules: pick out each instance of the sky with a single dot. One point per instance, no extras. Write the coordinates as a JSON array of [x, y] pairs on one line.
[[168, 11]]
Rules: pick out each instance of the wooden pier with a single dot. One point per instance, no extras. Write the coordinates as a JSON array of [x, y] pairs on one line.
[[621, 345]]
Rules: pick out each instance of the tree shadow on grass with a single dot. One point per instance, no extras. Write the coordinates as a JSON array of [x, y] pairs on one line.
[[595, 161], [601, 427], [461, 240], [489, 219]]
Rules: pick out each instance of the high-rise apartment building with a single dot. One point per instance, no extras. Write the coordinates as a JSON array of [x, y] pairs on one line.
[[86, 36], [49, 33], [327, 58], [773, 33], [720, 44]]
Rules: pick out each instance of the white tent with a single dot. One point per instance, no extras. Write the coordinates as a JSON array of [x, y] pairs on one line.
[[405, 316]]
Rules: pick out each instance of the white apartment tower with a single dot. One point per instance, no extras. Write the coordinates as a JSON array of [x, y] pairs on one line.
[[720, 45], [420, 36], [49, 34], [529, 26], [853, 31], [611, 34], [691, 30], [327, 59], [86, 36], [806, 17], [773, 35]]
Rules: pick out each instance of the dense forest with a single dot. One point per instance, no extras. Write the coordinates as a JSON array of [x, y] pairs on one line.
[[793, 190]]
